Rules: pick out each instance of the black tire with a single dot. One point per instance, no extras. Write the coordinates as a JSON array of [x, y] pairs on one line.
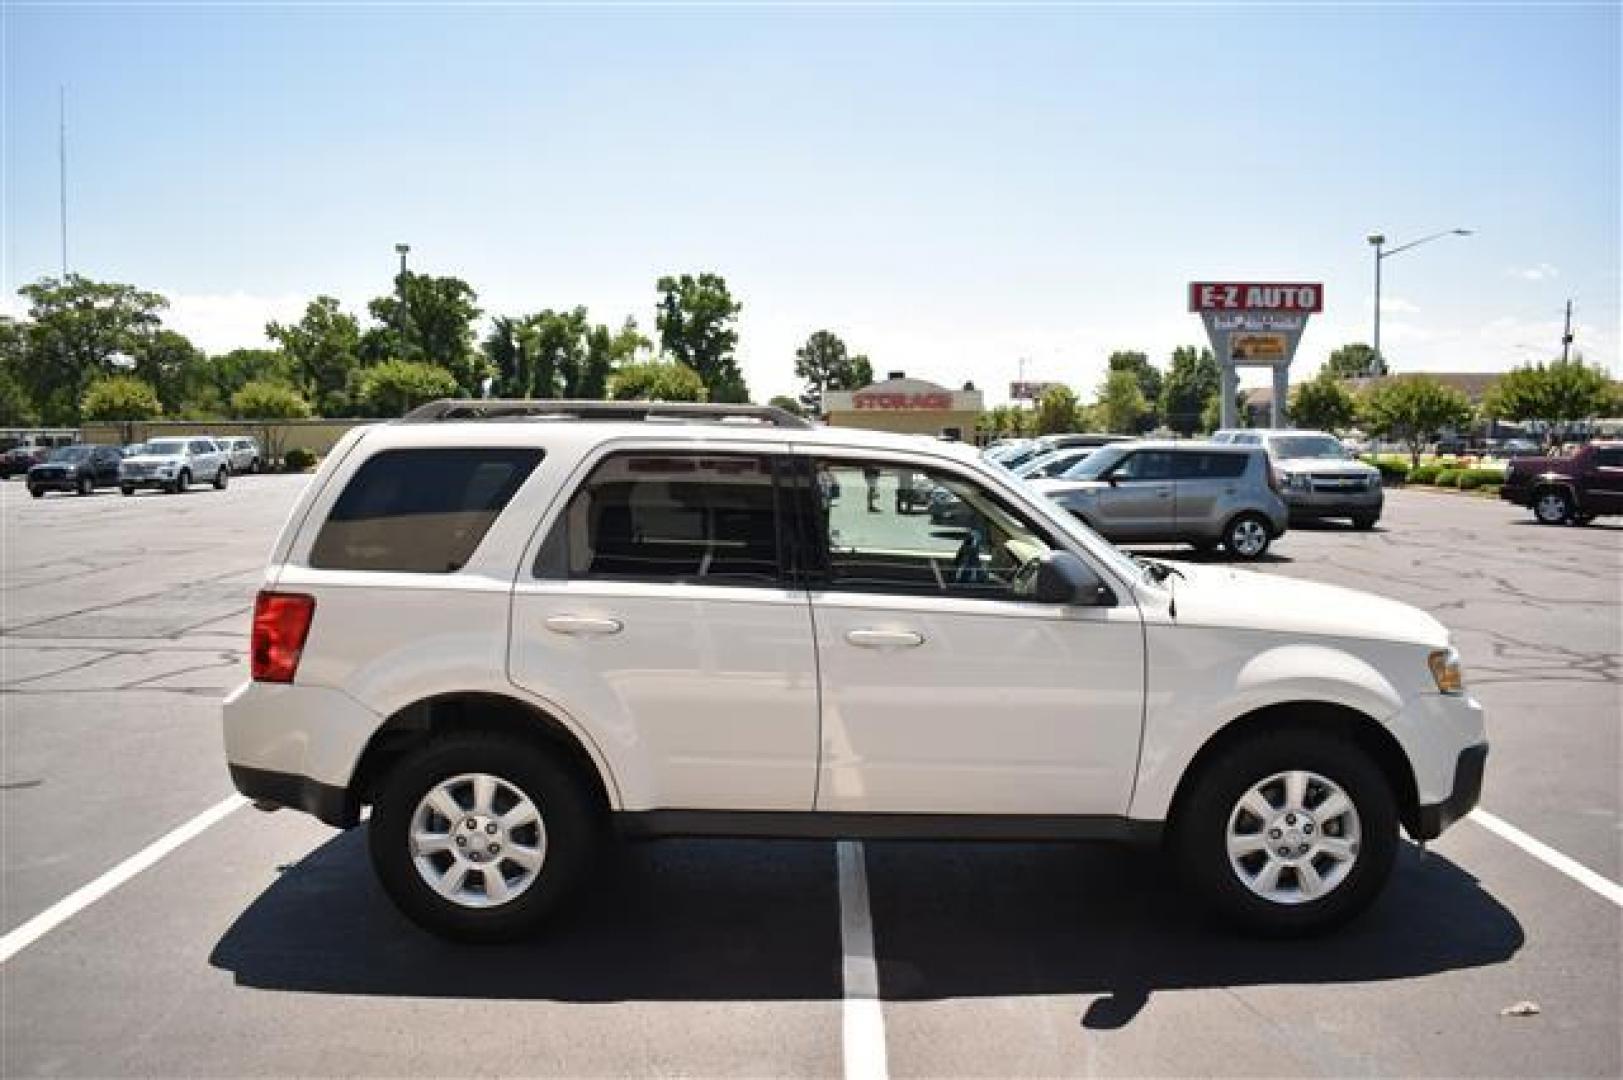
[[126, 489], [182, 482], [1364, 524], [566, 810], [1552, 506], [1242, 539], [253, 466], [36, 492], [87, 486], [1200, 831], [221, 478]]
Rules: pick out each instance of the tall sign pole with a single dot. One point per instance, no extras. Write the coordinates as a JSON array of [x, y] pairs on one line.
[[1254, 324], [1566, 334]]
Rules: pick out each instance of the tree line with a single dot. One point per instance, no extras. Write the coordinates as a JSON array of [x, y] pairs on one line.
[[94, 350]]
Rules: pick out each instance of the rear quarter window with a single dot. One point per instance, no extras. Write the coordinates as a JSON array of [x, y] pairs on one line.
[[420, 511]]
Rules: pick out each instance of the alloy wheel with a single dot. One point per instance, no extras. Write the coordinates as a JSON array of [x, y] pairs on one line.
[[1294, 837], [477, 840]]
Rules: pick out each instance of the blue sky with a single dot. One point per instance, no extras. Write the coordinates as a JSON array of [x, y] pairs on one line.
[[949, 188]]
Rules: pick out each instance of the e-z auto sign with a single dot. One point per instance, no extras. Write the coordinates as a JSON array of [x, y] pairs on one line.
[[1210, 296]]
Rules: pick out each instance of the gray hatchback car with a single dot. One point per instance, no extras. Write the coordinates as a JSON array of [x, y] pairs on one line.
[[1198, 493]]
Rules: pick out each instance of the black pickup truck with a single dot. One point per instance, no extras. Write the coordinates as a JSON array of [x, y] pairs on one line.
[[1570, 490]]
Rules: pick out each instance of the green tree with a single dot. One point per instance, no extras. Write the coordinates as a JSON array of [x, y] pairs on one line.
[[1323, 403], [395, 387], [1354, 360], [269, 402], [75, 327], [506, 359], [657, 380], [124, 398], [1191, 383], [787, 404], [1056, 411], [1121, 405], [606, 352], [171, 365], [1412, 409], [1149, 382], [16, 409], [697, 328], [429, 320], [229, 372], [1556, 395], [825, 364], [323, 350]]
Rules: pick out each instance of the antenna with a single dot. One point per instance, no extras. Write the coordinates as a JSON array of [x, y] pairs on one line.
[[62, 161]]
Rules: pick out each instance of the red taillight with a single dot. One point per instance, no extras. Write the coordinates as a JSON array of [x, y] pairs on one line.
[[281, 623]]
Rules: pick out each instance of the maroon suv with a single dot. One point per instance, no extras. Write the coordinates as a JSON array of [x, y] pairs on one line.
[[1574, 489]]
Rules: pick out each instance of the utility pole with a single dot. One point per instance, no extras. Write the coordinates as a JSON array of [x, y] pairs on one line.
[[62, 165], [1566, 334]]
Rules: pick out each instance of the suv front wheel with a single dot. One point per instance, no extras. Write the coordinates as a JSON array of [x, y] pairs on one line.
[[1288, 834], [480, 837]]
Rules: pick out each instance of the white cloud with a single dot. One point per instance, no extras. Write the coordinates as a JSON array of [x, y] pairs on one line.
[[1538, 272], [220, 323]]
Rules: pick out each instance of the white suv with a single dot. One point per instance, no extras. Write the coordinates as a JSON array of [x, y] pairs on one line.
[[513, 628]]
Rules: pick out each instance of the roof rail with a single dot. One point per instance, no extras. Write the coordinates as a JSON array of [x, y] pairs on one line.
[[520, 408]]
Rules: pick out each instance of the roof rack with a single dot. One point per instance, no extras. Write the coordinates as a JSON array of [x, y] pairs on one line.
[[520, 408]]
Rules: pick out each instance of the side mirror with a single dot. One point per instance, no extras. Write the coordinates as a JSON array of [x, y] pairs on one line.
[[1063, 578]]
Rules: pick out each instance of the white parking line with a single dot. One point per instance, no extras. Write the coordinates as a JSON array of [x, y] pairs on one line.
[[864, 1017], [81, 898], [1546, 854]]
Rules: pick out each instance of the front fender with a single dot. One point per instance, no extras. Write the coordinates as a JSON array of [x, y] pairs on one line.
[[1201, 684]]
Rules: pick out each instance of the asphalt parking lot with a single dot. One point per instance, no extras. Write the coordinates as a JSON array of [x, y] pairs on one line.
[[260, 946]]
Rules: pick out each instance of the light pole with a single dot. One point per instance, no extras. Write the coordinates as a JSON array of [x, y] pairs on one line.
[[401, 250], [1378, 242]]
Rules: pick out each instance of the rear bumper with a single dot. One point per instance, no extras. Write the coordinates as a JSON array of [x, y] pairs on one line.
[[333, 805], [1468, 770]]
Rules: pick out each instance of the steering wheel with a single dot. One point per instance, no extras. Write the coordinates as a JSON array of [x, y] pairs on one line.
[[966, 565]]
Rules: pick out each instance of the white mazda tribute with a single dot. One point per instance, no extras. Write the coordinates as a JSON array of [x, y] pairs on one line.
[[514, 629]]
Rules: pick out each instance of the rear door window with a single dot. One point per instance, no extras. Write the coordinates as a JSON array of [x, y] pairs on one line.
[[420, 511], [1192, 465], [687, 518]]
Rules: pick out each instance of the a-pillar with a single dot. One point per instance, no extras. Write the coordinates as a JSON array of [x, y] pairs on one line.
[[1282, 389]]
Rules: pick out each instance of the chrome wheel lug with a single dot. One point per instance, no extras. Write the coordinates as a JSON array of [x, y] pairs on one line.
[[462, 841], [1290, 819], [1284, 852], [1274, 834], [491, 828], [1307, 827]]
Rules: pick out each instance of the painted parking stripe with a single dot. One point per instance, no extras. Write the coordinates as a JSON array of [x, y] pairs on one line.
[[1547, 855], [863, 1027], [81, 898]]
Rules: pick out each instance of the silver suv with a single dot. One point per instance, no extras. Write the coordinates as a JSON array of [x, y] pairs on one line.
[[1317, 475], [1198, 493]]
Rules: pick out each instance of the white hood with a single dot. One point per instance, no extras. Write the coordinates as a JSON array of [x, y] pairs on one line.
[[1218, 596]]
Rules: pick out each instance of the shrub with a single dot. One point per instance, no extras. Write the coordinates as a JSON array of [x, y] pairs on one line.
[[298, 459], [1393, 472], [1471, 479], [1424, 474], [1448, 477]]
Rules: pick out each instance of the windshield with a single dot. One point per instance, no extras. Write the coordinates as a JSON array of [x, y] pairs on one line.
[[1307, 446], [161, 447], [70, 453], [1095, 464]]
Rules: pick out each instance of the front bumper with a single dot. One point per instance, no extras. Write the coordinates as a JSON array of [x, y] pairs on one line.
[[1468, 769], [1326, 504], [54, 483]]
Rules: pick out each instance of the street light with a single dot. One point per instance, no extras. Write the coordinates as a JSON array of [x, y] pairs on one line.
[[1378, 242], [401, 250]]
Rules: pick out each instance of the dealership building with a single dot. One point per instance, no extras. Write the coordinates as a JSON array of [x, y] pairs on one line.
[[906, 406]]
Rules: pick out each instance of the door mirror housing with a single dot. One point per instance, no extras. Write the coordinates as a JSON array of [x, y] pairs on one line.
[[1064, 578]]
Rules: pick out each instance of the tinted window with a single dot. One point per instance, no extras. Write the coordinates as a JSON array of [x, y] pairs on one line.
[[706, 519], [1610, 457], [895, 529], [420, 511], [202, 446], [1191, 465], [1145, 465], [1246, 440]]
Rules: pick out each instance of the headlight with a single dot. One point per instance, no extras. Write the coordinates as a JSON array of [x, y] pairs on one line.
[[1445, 671]]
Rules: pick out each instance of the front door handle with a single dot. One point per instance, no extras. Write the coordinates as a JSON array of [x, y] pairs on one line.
[[583, 625], [881, 639]]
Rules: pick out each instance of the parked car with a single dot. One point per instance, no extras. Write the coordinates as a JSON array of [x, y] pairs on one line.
[[82, 468], [243, 453], [1197, 493], [690, 639], [1318, 476], [1525, 447], [173, 464], [1047, 444], [1053, 463], [1571, 490], [19, 459], [23, 448]]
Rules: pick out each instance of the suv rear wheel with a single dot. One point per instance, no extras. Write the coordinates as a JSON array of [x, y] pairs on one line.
[[1552, 506], [1289, 834], [1247, 537], [480, 837]]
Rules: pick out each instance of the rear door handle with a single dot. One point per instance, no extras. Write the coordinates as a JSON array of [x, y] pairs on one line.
[[583, 625], [880, 639]]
